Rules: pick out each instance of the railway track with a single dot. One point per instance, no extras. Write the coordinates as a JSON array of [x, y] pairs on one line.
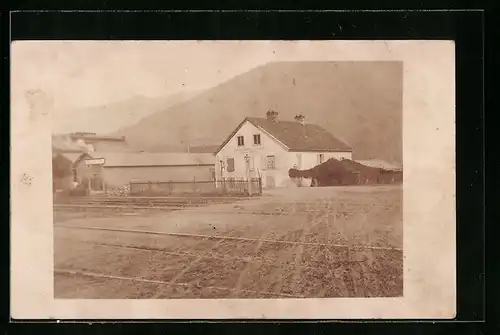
[[219, 237], [168, 283], [200, 209], [157, 200], [142, 203]]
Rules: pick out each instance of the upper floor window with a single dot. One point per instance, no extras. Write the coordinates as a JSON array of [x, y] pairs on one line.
[[256, 139], [230, 165], [241, 141]]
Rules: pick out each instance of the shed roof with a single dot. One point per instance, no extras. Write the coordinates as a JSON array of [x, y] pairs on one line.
[[116, 159], [203, 149], [296, 136]]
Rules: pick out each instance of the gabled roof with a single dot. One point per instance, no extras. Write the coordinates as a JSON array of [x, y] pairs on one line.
[[129, 159], [295, 136]]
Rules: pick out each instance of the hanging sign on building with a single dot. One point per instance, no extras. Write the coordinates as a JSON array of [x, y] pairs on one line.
[[95, 161]]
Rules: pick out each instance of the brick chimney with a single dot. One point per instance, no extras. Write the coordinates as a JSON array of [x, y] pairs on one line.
[[272, 116], [300, 119]]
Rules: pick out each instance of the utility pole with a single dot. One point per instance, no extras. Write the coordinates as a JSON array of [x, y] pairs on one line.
[[221, 178], [247, 163]]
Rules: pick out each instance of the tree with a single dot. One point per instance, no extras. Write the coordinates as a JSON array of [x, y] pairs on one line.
[[61, 167]]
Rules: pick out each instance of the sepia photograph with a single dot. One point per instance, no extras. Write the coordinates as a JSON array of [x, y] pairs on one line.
[[238, 170]]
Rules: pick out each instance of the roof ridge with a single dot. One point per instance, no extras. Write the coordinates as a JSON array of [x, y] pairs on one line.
[[302, 137]]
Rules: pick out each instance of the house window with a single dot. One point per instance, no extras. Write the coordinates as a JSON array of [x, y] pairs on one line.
[[241, 141], [74, 175], [271, 162], [256, 139], [230, 165], [321, 158]]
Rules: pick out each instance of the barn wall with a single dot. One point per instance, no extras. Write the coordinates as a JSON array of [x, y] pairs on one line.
[[118, 176]]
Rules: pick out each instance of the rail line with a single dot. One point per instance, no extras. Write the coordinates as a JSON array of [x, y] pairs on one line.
[[168, 252], [167, 283], [199, 209], [148, 232]]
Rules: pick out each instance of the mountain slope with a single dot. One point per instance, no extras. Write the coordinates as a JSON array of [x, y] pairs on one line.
[[358, 102], [112, 117]]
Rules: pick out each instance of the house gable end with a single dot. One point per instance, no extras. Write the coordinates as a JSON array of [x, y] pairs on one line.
[[268, 134], [235, 132]]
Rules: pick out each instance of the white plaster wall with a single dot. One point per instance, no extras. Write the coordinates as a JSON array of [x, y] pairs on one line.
[[269, 147], [258, 153], [310, 159]]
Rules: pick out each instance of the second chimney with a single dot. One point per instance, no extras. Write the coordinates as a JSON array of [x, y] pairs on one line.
[[300, 119], [272, 116]]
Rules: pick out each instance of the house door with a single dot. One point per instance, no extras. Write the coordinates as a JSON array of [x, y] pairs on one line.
[[270, 183], [96, 183]]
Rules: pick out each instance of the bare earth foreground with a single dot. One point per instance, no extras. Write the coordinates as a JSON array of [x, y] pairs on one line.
[[302, 242]]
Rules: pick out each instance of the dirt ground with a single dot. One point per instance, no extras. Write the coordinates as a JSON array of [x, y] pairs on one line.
[[302, 242]]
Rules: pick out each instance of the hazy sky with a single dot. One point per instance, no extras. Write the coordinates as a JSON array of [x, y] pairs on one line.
[[76, 74], [85, 73]]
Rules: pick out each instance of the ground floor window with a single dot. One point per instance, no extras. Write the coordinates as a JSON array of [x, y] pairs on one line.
[[230, 164], [271, 162], [321, 158]]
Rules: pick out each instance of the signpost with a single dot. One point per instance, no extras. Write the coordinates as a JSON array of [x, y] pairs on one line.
[[222, 182], [247, 163], [95, 161]]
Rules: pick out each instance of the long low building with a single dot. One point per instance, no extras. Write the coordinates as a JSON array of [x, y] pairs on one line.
[[381, 164], [121, 168], [108, 170]]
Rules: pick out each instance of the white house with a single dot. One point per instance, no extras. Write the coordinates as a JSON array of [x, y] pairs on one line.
[[268, 148]]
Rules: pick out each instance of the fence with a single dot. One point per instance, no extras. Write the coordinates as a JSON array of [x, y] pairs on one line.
[[209, 188]]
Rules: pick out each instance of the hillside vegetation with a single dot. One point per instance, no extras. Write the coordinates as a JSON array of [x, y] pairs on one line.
[[358, 102]]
